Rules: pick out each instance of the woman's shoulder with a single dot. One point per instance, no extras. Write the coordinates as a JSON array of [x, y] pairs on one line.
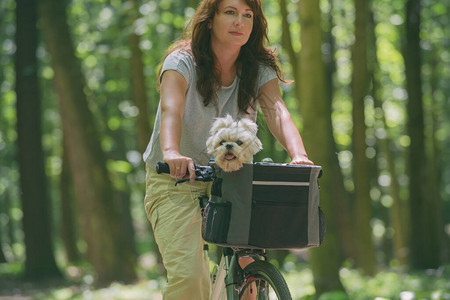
[[181, 55], [180, 60], [263, 66], [265, 71]]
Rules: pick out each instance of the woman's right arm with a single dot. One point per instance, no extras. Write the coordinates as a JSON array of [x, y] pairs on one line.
[[173, 93]]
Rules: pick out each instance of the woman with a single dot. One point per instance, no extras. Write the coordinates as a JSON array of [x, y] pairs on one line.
[[219, 67]]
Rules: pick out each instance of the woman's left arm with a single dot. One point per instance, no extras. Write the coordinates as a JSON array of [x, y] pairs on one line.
[[280, 123]]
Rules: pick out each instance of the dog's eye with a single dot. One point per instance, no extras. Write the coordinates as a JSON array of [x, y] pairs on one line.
[[239, 142], [221, 142]]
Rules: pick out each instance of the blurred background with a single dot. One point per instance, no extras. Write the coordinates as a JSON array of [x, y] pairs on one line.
[[78, 97]]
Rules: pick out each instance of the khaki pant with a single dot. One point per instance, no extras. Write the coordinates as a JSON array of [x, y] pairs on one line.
[[174, 213]]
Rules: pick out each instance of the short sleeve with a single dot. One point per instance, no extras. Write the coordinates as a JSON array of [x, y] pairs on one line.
[[179, 61], [265, 74]]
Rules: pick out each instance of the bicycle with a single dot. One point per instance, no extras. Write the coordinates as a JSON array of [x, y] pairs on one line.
[[257, 280]]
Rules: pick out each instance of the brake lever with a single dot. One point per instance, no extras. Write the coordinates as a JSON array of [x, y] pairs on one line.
[[205, 175], [182, 180]]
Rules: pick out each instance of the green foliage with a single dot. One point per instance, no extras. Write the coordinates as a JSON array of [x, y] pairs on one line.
[[388, 284], [100, 31], [433, 284], [335, 295]]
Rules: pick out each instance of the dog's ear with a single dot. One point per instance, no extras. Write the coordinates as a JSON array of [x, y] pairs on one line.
[[251, 127], [256, 145], [219, 123], [248, 125], [210, 144]]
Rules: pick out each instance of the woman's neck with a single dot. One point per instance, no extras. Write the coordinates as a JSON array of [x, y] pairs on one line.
[[226, 63]]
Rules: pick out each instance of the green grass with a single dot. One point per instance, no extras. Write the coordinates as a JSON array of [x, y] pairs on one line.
[[78, 284], [387, 284]]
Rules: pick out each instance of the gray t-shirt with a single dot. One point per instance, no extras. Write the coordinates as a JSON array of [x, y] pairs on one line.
[[197, 118]]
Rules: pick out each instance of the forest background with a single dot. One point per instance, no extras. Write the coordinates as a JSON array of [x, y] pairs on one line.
[[77, 103]]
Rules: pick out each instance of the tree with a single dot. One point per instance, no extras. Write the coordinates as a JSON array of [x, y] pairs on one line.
[[286, 41], [317, 133], [40, 261], [435, 166], [360, 89], [424, 237], [139, 88], [2, 254], [102, 228], [397, 218], [342, 206], [68, 219], [341, 197]]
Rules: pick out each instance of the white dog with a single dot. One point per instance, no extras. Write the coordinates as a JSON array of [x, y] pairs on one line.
[[233, 143]]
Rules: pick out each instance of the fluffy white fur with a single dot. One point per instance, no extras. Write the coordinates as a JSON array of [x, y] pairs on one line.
[[233, 143]]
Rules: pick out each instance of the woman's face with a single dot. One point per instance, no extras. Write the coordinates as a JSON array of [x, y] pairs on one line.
[[232, 24]]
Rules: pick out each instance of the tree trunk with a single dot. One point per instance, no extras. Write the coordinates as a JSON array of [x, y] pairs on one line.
[[4, 207], [341, 196], [98, 206], [397, 215], [286, 41], [424, 239], [2, 254], [435, 172], [139, 89], [2, 211], [139, 94], [316, 114], [11, 229], [40, 261], [365, 258], [68, 220]]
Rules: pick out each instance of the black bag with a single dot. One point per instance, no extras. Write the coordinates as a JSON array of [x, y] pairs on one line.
[[265, 205]]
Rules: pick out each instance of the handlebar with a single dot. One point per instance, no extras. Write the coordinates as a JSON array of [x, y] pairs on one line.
[[202, 173], [162, 167]]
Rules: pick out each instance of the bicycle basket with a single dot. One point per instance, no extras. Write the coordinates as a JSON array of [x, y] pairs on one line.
[[265, 205]]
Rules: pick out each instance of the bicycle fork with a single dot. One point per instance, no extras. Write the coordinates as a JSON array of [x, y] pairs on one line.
[[232, 276]]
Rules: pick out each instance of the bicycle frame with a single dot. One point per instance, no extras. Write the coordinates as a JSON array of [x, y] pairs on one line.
[[232, 266], [230, 272]]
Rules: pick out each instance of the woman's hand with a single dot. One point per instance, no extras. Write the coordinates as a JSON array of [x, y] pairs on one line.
[[301, 160], [181, 167]]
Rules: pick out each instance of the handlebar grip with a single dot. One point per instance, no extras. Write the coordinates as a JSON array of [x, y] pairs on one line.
[[162, 167]]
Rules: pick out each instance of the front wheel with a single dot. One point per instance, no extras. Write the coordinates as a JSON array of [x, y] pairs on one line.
[[263, 281]]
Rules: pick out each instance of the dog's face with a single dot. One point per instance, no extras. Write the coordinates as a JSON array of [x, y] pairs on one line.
[[233, 143]]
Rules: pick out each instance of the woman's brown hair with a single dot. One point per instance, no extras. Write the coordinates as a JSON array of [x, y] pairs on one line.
[[196, 39]]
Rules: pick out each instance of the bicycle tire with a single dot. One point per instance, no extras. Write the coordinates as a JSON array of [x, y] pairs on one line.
[[268, 281]]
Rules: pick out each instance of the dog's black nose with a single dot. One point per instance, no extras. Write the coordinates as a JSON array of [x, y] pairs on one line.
[[229, 146]]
